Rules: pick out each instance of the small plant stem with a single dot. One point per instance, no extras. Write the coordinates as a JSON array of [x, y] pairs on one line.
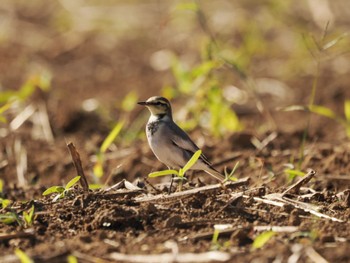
[[308, 121], [77, 163]]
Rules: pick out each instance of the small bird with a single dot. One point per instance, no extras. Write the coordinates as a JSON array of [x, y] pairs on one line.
[[169, 143]]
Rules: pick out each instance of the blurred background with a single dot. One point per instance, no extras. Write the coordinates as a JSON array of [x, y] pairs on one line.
[[74, 70]]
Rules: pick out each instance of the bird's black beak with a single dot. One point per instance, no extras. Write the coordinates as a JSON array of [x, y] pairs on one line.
[[143, 103]]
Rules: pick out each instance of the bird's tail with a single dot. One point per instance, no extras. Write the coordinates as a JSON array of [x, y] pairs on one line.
[[213, 172]]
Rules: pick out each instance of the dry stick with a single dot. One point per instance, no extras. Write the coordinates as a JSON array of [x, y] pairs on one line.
[[184, 194], [314, 256], [77, 163], [209, 256], [88, 258], [280, 201], [5, 237], [304, 180]]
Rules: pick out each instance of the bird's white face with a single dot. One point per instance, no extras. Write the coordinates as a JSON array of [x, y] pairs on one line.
[[157, 106]]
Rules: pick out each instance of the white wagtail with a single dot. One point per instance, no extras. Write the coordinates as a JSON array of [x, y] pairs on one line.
[[169, 143]]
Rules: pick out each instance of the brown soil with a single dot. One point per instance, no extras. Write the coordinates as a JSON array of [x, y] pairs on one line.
[[120, 224]]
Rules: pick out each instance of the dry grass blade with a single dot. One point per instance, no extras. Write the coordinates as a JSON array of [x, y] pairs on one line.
[[314, 256], [77, 163], [210, 256], [279, 200], [22, 117], [23, 234], [21, 162], [45, 123], [183, 194]]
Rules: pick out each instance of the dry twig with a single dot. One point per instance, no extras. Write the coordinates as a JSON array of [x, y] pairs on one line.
[[186, 193], [304, 180], [77, 163]]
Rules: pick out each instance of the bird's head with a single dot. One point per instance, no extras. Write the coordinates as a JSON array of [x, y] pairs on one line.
[[158, 106]]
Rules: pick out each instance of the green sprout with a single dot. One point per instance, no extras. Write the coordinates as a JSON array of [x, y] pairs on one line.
[[181, 173], [23, 257], [72, 259], [214, 241], [326, 112], [292, 172], [230, 176], [60, 190], [262, 239], [5, 202], [98, 167], [41, 81], [28, 217], [9, 218], [215, 245]]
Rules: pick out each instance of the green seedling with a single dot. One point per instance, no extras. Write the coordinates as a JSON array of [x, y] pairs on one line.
[[292, 173], [41, 81], [230, 176], [72, 259], [10, 218], [214, 241], [5, 202], [98, 167], [29, 217], [326, 112], [181, 173], [313, 235], [215, 244], [201, 82], [60, 190], [262, 239], [23, 257]]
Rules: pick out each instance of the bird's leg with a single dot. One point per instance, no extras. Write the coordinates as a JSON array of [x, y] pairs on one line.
[[171, 182]]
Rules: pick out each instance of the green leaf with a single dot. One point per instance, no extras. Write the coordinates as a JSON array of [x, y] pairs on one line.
[[191, 162], [204, 68], [262, 239], [72, 182], [28, 217], [324, 111], [111, 136], [23, 257], [98, 169], [347, 110], [1, 186], [95, 186], [187, 6], [130, 101], [53, 189], [8, 218], [5, 107], [5, 202], [230, 120], [72, 259], [230, 177], [162, 173], [294, 173]]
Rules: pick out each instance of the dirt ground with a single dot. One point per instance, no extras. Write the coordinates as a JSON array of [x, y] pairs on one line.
[[96, 53]]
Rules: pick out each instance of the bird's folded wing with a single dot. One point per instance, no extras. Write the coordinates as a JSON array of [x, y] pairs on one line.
[[182, 140]]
